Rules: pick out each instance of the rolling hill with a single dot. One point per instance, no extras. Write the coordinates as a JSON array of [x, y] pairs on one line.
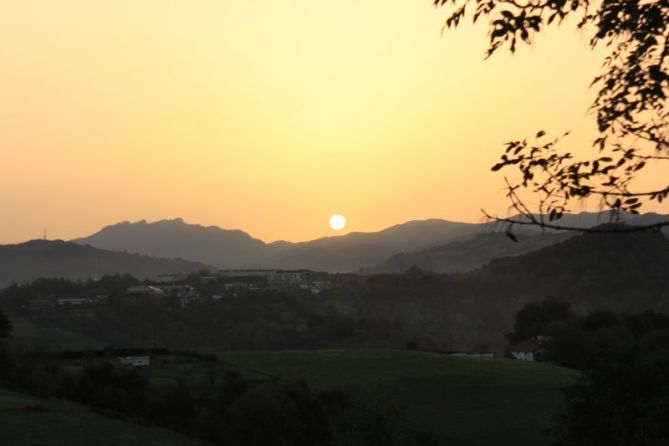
[[27, 420], [626, 272], [27, 261], [591, 271], [466, 255], [359, 249]]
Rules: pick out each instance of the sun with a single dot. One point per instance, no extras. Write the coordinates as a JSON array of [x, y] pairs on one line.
[[337, 222]]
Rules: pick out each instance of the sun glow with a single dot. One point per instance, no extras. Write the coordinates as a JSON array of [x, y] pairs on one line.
[[337, 222]]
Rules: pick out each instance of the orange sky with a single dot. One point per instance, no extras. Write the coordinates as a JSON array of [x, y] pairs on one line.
[[265, 116]]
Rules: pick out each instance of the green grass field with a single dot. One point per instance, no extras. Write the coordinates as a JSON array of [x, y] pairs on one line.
[[29, 421], [461, 400], [456, 401], [27, 334]]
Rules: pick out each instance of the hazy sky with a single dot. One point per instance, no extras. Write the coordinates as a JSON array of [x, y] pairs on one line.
[[265, 116]]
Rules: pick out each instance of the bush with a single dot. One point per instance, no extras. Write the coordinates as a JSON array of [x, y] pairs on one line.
[[286, 416], [172, 406], [108, 386], [623, 401], [232, 388], [375, 421]]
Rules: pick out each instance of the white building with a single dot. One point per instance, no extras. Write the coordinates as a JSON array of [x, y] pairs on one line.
[[531, 349], [284, 279]]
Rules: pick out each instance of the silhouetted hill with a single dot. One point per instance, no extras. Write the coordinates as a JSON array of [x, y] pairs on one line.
[[466, 255], [624, 271], [176, 239], [236, 249], [359, 249], [27, 261]]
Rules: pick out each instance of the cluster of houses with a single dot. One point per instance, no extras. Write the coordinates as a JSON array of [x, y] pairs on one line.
[[185, 295], [315, 282], [174, 286], [83, 306], [234, 282]]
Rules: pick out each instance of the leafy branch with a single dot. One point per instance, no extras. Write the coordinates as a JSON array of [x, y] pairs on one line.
[[629, 106]]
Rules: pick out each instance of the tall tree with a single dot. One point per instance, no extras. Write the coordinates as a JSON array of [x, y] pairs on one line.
[[630, 108]]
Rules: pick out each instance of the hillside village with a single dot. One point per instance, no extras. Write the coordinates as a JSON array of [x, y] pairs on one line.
[[188, 290]]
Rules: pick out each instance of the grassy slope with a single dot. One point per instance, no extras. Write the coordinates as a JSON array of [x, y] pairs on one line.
[[27, 334], [470, 401], [25, 420]]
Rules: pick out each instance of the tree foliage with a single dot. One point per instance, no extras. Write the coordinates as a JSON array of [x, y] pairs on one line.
[[534, 317], [622, 397], [624, 401], [5, 325], [632, 90]]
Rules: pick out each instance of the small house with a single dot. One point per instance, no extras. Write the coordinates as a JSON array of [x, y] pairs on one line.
[[532, 349]]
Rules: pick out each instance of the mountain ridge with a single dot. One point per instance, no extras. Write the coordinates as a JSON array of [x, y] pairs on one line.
[[226, 248], [234, 248]]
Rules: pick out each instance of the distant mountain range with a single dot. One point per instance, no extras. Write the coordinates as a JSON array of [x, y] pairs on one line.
[[25, 262], [236, 249], [148, 249], [434, 244]]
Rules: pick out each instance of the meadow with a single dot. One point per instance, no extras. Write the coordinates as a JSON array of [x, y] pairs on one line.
[[455, 401], [31, 421], [440, 400]]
